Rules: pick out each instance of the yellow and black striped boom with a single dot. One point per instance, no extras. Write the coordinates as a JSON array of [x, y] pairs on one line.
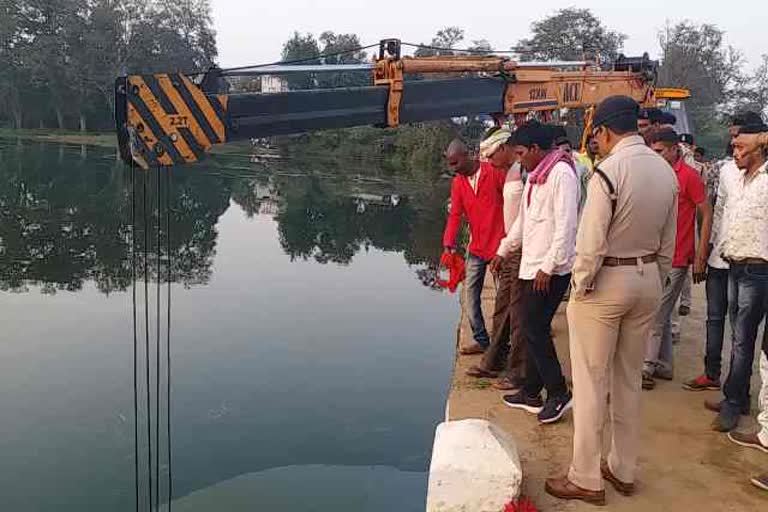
[[168, 119]]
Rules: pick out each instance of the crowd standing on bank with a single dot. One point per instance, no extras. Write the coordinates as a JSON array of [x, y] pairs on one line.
[[622, 228]]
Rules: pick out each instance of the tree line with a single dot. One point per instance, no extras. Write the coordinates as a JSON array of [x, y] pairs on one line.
[[59, 58]]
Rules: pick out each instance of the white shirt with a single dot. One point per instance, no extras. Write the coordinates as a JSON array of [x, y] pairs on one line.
[[729, 169], [742, 231], [546, 228], [513, 191]]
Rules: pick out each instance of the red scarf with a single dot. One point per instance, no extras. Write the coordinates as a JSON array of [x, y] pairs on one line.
[[456, 268], [541, 173]]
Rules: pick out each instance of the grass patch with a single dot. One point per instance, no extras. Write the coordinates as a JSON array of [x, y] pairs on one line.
[[479, 384]]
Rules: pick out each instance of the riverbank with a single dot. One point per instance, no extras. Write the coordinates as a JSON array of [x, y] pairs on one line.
[[684, 465], [102, 139]]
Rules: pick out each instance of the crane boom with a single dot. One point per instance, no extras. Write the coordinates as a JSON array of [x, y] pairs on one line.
[[168, 119]]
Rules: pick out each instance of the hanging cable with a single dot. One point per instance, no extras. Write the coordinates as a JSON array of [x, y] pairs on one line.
[[516, 50], [306, 59], [168, 334], [157, 348], [460, 50], [146, 339], [135, 338]]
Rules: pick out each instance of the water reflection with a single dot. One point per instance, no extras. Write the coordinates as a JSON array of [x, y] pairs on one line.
[[316, 294], [67, 220]]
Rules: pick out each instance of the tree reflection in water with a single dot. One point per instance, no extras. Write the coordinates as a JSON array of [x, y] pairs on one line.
[[65, 218]]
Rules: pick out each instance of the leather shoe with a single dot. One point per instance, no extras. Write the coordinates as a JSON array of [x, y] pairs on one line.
[[479, 372], [627, 489], [564, 489], [717, 405], [713, 405]]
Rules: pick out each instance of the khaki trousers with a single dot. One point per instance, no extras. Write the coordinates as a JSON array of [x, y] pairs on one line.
[[608, 332]]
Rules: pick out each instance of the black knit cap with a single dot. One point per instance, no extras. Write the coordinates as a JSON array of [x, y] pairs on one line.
[[668, 118], [754, 128], [654, 115], [745, 118], [686, 138], [614, 108]]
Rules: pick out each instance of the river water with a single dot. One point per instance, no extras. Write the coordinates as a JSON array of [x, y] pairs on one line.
[[311, 352]]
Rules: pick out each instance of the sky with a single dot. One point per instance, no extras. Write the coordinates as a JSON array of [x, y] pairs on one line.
[[253, 31]]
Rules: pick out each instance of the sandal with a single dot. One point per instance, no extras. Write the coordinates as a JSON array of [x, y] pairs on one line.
[[475, 348], [507, 384], [648, 382]]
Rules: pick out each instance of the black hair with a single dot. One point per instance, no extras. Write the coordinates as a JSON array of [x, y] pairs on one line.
[[666, 135], [534, 133], [700, 151]]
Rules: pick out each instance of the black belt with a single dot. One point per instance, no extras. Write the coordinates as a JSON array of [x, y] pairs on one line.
[[748, 261], [610, 261]]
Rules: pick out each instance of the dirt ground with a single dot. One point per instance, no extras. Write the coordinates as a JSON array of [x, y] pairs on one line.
[[685, 466]]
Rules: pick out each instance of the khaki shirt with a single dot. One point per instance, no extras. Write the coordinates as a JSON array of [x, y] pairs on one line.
[[645, 219]]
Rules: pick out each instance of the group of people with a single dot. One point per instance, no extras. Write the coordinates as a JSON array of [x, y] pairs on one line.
[[622, 227]]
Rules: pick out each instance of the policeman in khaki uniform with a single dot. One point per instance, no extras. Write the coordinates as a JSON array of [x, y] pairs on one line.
[[624, 248]]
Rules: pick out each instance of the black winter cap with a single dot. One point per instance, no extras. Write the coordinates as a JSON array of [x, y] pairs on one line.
[[613, 108]]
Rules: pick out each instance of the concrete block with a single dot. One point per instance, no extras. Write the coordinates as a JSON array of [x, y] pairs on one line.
[[475, 468]]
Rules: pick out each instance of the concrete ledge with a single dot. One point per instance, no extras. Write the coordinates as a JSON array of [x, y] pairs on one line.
[[475, 467]]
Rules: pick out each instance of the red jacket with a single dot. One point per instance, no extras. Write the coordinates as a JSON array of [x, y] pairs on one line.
[[484, 211]]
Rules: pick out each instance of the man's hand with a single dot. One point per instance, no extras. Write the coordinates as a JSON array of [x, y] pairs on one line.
[[495, 264], [700, 269], [541, 282]]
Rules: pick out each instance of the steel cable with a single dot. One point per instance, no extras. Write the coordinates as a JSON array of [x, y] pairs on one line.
[[168, 334], [146, 340], [157, 348], [135, 338]]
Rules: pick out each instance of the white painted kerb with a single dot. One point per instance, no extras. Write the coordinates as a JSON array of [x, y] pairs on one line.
[[475, 468]]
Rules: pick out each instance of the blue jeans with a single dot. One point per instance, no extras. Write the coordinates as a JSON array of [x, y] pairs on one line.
[[748, 290], [475, 279], [717, 309], [659, 353]]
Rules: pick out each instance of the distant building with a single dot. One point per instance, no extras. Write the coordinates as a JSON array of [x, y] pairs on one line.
[[273, 83]]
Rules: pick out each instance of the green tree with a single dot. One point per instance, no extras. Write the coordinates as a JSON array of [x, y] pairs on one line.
[[303, 48], [480, 47], [59, 58], [753, 94], [571, 34], [13, 76], [443, 43], [696, 57], [337, 43]]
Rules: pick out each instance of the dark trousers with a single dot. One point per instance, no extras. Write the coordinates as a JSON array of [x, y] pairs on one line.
[[748, 291], [543, 367], [508, 344], [717, 309]]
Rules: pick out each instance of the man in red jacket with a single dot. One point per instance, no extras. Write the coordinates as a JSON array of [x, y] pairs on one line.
[[477, 195]]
